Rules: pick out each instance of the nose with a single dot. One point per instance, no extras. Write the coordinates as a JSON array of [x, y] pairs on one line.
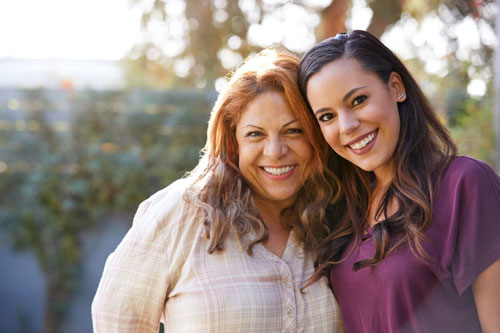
[[275, 147], [348, 122]]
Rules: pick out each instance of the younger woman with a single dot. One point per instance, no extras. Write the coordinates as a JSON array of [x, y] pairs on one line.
[[417, 245]]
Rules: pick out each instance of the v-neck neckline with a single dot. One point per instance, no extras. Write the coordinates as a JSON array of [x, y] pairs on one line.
[[289, 246]]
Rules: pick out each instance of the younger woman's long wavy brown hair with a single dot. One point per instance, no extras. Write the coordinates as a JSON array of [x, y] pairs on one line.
[[218, 190], [423, 152]]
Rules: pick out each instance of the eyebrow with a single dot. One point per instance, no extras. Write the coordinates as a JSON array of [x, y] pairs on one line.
[[249, 125], [352, 91], [261, 128], [346, 96]]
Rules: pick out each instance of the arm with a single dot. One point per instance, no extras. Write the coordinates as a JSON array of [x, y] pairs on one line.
[[486, 289], [479, 242], [132, 290]]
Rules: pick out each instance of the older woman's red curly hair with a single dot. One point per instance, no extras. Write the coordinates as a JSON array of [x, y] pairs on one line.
[[218, 189]]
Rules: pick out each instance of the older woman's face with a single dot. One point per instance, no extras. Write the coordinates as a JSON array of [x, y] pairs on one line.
[[273, 150]]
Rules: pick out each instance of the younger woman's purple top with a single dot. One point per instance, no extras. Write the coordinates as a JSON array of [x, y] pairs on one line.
[[404, 294]]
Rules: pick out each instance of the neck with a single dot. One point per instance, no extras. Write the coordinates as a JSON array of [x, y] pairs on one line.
[[270, 212], [383, 175], [382, 182]]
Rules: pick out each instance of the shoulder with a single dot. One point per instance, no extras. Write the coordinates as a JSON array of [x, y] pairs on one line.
[[165, 201], [468, 182], [131, 293], [165, 212], [468, 170], [466, 216]]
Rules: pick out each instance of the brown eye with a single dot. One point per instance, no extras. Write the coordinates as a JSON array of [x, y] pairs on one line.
[[326, 117], [253, 134], [295, 131], [358, 100]]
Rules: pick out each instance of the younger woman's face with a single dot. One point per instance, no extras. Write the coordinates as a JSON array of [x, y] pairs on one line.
[[358, 113]]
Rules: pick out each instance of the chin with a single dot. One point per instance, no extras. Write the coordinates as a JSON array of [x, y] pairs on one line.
[[367, 168], [282, 198], [363, 166]]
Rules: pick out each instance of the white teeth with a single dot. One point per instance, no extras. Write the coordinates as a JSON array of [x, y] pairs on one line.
[[364, 142], [278, 171]]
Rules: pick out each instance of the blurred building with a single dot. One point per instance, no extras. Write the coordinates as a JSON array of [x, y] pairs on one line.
[[61, 74]]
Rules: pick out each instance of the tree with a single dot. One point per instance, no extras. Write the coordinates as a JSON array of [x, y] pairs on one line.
[[333, 17], [198, 41], [119, 148], [192, 42], [206, 39]]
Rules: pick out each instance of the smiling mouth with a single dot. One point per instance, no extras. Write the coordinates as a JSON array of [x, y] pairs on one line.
[[278, 171], [363, 142]]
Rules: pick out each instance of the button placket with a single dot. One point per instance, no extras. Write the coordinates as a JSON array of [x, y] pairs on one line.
[[289, 298]]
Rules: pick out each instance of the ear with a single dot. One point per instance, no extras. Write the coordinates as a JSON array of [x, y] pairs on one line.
[[397, 88]]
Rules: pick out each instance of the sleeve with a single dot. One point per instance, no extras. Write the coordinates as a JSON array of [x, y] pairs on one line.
[[133, 288], [478, 232]]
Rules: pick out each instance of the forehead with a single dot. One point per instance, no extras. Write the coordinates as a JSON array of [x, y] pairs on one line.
[[341, 70], [267, 106], [338, 77]]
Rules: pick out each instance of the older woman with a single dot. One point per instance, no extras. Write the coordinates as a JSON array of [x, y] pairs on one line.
[[228, 248], [418, 246]]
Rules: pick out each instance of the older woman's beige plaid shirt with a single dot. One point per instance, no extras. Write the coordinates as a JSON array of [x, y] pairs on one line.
[[161, 271]]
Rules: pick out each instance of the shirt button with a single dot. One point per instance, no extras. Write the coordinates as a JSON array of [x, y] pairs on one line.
[[289, 313]]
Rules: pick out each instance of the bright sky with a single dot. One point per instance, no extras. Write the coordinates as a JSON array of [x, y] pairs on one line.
[[67, 29], [107, 29]]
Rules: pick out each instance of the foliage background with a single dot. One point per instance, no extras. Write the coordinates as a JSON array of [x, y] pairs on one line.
[[118, 147]]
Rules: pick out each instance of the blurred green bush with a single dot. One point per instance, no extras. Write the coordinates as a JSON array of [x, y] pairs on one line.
[[71, 158]]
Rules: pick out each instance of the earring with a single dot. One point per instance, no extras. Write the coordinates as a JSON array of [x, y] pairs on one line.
[[401, 96]]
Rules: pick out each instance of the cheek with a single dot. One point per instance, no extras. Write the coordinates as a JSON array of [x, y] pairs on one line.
[[397, 119], [331, 135], [243, 155], [301, 149], [306, 151], [303, 152], [397, 129], [394, 125]]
